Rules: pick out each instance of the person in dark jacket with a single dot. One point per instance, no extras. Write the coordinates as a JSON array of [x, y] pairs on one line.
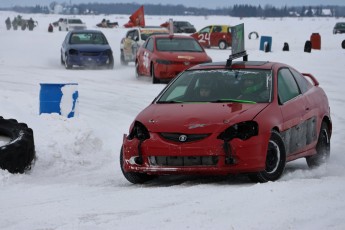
[[8, 23]]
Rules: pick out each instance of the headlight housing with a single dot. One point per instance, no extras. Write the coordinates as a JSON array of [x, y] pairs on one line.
[[243, 130], [139, 131]]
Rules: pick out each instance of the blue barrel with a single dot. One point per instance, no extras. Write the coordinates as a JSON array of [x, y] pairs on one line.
[[59, 98], [266, 43]]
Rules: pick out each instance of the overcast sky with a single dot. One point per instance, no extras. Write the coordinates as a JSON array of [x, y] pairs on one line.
[[188, 3]]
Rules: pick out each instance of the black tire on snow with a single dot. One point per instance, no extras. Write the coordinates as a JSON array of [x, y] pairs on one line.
[[343, 44], [111, 62], [275, 160], [135, 178], [323, 148], [155, 80], [16, 156], [122, 58]]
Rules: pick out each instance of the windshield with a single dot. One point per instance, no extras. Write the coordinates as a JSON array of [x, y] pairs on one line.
[[75, 21], [238, 86], [178, 45], [147, 33], [88, 38]]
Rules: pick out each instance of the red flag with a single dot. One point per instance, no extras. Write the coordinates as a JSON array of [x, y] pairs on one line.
[[137, 18]]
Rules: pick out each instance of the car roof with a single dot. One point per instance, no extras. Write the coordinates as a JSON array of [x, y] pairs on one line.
[[235, 65], [85, 31], [172, 36]]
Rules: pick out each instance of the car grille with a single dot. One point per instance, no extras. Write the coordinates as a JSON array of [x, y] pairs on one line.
[[182, 138], [89, 53], [183, 161]]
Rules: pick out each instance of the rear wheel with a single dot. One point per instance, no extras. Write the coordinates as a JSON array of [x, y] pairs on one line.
[[133, 177], [154, 79], [122, 59], [222, 45], [67, 65], [323, 148], [275, 160]]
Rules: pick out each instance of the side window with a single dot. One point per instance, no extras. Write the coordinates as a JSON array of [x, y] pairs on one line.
[[287, 86], [136, 35], [217, 29], [149, 45], [205, 30], [303, 83], [130, 34]]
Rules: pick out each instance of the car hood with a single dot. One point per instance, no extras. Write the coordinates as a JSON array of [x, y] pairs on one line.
[[196, 117], [184, 56], [89, 47]]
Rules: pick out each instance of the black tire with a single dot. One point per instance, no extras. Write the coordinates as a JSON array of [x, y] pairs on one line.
[[222, 45], [67, 65], [154, 79], [275, 160], [134, 178], [255, 33], [343, 44], [122, 59], [62, 61], [60, 28], [16, 156], [111, 62], [323, 148], [137, 75]]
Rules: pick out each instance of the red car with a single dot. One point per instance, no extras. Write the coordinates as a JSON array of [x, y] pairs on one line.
[[249, 117], [214, 35], [164, 56]]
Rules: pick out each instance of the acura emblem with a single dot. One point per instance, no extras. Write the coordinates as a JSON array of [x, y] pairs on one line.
[[182, 138]]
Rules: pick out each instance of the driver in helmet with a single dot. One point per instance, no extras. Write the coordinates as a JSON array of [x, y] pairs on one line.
[[250, 89]]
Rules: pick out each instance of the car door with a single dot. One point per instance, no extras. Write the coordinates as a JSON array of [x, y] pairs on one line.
[[216, 35], [144, 57], [293, 108], [203, 36]]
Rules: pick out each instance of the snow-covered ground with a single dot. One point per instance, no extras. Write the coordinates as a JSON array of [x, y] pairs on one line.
[[76, 182]]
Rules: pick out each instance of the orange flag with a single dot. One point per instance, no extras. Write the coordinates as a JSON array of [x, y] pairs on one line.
[[137, 18]]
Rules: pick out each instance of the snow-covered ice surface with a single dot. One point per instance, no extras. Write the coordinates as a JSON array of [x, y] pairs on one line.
[[76, 182]]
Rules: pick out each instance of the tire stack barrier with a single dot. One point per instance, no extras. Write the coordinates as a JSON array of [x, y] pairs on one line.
[[255, 33], [286, 46], [307, 46], [18, 155]]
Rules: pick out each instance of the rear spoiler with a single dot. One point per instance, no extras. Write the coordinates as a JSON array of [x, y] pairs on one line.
[[312, 78]]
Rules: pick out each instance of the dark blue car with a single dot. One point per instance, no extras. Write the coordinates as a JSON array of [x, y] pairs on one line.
[[87, 48]]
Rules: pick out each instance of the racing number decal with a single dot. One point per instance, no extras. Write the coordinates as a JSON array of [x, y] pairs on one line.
[[204, 38]]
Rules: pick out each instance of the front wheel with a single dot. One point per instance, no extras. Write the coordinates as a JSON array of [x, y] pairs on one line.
[[275, 160], [222, 45], [323, 148], [154, 79], [135, 178], [62, 61], [111, 62], [137, 75]]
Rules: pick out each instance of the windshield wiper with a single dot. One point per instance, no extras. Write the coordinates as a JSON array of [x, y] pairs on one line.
[[234, 100]]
